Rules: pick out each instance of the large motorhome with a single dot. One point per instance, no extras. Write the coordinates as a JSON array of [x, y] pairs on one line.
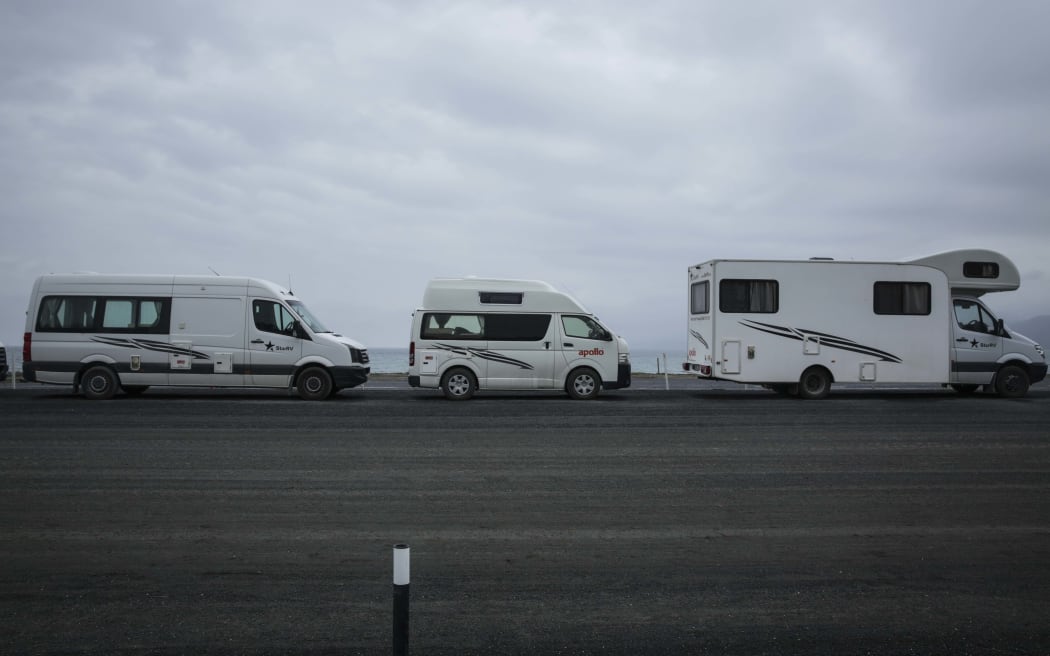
[[104, 333], [473, 334], [799, 326]]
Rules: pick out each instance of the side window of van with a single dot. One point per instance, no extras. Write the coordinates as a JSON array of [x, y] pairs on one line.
[[272, 317], [971, 317], [516, 327], [584, 328], [66, 314], [442, 325], [108, 315]]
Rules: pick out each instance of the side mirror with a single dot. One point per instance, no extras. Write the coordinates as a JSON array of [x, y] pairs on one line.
[[1000, 328]]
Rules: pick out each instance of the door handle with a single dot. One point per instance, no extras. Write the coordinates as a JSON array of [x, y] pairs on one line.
[[568, 344], [258, 341], [547, 345], [962, 339]]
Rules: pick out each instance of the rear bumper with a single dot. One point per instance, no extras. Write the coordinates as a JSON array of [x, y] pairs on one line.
[[347, 377]]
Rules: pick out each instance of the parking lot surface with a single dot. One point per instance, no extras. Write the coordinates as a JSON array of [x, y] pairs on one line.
[[700, 519]]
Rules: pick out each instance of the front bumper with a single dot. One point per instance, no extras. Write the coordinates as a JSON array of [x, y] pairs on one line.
[[1036, 372], [347, 377], [623, 378]]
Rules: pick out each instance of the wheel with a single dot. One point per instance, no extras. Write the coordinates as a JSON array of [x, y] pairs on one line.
[[314, 384], [965, 390], [99, 383], [135, 390], [1011, 382], [458, 384], [583, 384], [815, 383]]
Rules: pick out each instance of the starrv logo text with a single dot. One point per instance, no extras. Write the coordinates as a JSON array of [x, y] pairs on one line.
[[594, 351]]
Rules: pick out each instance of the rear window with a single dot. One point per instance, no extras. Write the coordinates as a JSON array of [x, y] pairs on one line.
[[700, 297]]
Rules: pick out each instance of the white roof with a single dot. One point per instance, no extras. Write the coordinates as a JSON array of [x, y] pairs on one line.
[[466, 294], [115, 283]]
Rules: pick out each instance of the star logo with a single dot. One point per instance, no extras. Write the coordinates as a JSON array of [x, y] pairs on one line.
[[269, 345], [973, 343]]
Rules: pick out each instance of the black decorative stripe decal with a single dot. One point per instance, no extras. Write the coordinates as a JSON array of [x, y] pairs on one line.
[[484, 354], [701, 338], [150, 345], [831, 341]]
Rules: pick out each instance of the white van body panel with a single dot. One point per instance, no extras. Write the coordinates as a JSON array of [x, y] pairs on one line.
[[543, 360], [833, 315], [206, 334]]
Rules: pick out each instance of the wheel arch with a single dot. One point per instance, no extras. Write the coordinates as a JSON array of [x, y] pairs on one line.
[[461, 364]]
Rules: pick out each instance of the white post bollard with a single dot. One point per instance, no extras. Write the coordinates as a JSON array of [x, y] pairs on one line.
[[401, 586]]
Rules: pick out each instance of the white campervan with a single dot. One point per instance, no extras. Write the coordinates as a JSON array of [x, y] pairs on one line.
[[102, 333], [799, 326], [476, 334]]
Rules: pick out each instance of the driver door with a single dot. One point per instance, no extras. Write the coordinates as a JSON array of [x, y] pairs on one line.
[[975, 346], [585, 341], [273, 348]]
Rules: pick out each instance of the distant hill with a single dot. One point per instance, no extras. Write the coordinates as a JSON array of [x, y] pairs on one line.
[[1037, 328]]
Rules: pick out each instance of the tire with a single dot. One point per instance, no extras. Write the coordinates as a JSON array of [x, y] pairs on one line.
[[583, 384], [314, 384], [1011, 382], [815, 383], [458, 384], [99, 383], [965, 390], [135, 390]]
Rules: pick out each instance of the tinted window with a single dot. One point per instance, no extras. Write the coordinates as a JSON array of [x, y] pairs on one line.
[[758, 296], [104, 315], [441, 325], [700, 297], [504, 298], [981, 269], [516, 327], [272, 317], [495, 327], [911, 298]]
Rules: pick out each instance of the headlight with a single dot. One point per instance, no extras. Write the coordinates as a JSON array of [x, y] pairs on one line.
[[625, 358], [359, 356], [1040, 351]]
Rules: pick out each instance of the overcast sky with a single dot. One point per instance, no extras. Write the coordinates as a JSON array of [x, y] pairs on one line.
[[361, 148]]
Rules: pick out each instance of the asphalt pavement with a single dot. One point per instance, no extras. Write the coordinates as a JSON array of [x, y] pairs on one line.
[[709, 519]]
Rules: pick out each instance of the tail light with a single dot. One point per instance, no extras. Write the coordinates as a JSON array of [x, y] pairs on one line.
[[27, 347], [412, 354]]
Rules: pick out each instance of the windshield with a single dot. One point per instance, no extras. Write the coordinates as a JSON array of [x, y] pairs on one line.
[[308, 319]]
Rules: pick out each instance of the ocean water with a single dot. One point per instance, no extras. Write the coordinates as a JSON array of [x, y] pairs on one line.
[[645, 361]]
